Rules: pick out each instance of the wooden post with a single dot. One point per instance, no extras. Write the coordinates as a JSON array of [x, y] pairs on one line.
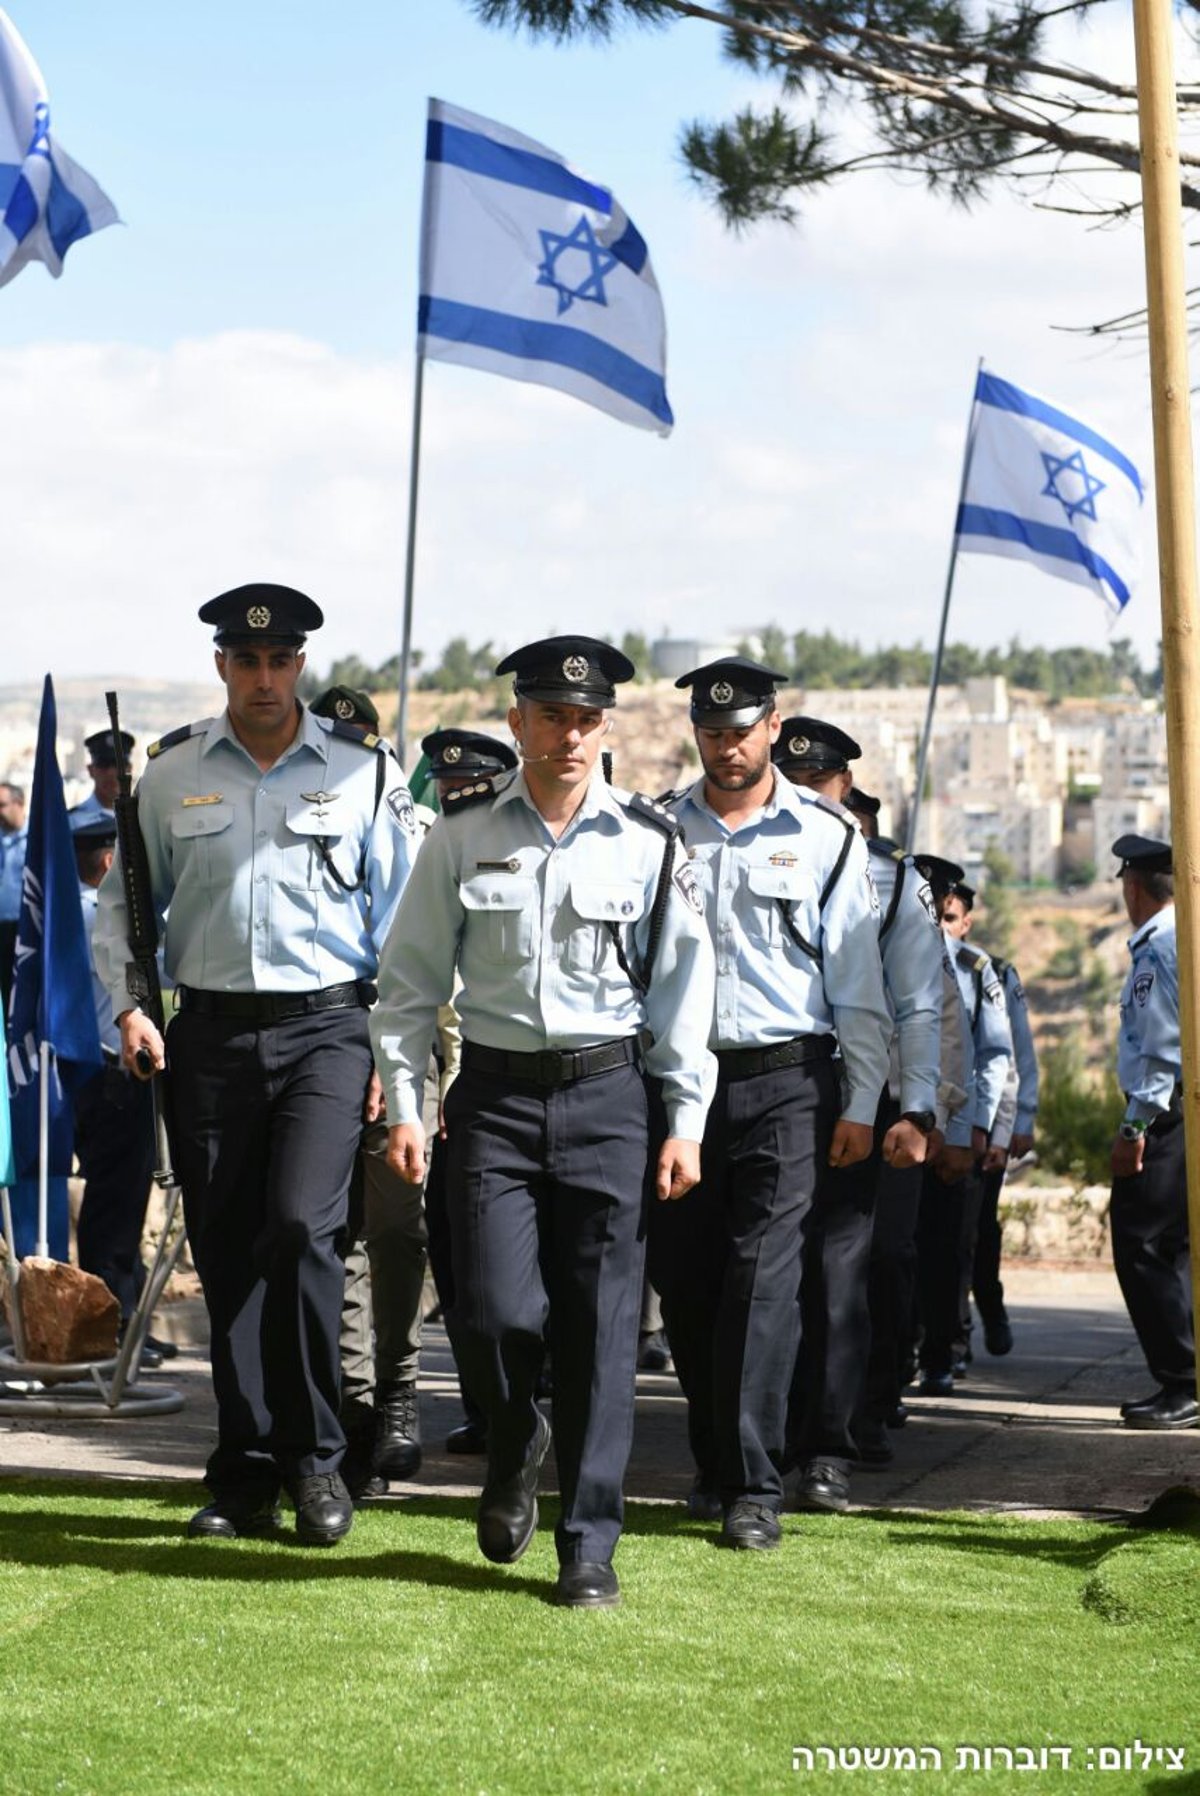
[[1174, 493]]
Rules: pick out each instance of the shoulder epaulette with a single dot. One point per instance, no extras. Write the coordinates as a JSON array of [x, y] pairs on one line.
[[348, 732], [173, 738], [463, 797], [1002, 967], [650, 810], [672, 798]]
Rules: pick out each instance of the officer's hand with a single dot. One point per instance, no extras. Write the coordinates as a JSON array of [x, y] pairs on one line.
[[406, 1151], [1126, 1157], [1020, 1146], [374, 1106], [141, 1044], [995, 1160], [678, 1167], [851, 1142], [904, 1145], [953, 1163], [979, 1142]]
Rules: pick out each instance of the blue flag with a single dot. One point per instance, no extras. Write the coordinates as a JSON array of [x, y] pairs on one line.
[[1044, 487], [52, 997], [532, 270], [8, 1171]]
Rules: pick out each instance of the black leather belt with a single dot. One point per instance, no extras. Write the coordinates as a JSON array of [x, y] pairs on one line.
[[277, 1007], [552, 1066], [744, 1063]]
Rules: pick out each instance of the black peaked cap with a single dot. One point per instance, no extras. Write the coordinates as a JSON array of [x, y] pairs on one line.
[[941, 873], [732, 693], [863, 802], [810, 742], [100, 747], [466, 754], [262, 612], [568, 670], [1143, 854]]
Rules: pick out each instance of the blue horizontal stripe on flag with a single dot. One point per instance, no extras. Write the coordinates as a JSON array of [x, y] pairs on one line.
[[630, 247], [561, 344], [481, 155], [1006, 398], [1043, 539]]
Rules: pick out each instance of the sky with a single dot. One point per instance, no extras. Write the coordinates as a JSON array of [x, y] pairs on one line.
[[219, 389]]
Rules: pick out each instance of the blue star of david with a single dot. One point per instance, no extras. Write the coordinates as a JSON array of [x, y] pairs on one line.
[[579, 242], [1059, 466]]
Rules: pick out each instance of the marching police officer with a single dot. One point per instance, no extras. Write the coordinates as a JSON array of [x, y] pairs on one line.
[[280, 843], [105, 772], [569, 910], [791, 908], [1148, 1214]]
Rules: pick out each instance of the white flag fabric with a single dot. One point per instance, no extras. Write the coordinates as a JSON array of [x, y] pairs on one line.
[[47, 202], [1044, 487], [530, 270]]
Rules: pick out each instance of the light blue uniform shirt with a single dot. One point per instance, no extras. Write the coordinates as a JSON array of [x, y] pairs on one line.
[[90, 811], [983, 995], [911, 949], [110, 1035], [770, 990], [1024, 1051], [956, 1073], [1149, 1058], [524, 918], [232, 852], [13, 844]]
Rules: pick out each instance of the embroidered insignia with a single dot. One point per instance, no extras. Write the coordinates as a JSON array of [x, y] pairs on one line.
[[452, 753], [575, 668], [204, 798], [925, 894], [785, 858], [721, 693], [872, 892], [400, 804], [799, 745], [343, 709], [258, 617], [320, 799], [689, 888], [1141, 987]]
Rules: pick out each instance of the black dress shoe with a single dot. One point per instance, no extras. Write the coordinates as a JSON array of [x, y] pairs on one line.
[[470, 1438], [1135, 1403], [704, 1499], [752, 1525], [397, 1431], [898, 1416], [653, 1353], [233, 1516], [324, 1511], [875, 1450], [508, 1510], [358, 1467], [1176, 1408], [936, 1384], [958, 1369], [824, 1485], [998, 1337], [164, 1349], [586, 1585]]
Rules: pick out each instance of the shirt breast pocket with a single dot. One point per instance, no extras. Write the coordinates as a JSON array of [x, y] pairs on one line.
[[500, 917], [303, 863], [774, 890], [597, 903], [202, 843]]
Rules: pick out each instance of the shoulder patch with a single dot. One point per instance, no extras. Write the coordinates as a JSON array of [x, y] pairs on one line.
[[688, 887], [650, 810], [173, 738], [463, 797], [400, 804]]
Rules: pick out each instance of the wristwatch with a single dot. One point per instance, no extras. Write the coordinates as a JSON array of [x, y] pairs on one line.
[[1132, 1131], [925, 1120]]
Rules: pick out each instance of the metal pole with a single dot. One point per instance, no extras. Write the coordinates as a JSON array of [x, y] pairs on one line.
[[1166, 307], [14, 1276], [936, 676], [410, 557], [43, 1243]]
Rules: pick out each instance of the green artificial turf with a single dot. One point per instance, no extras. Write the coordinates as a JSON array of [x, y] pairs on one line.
[[134, 1661]]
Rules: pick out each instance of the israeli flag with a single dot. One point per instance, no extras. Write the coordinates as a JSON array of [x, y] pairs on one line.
[[1041, 486], [47, 202], [531, 270]]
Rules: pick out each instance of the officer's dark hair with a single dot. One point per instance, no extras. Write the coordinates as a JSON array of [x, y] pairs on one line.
[[16, 793], [91, 861], [1159, 887]]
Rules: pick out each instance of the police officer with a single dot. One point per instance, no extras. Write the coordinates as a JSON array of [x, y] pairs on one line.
[[105, 772], [1148, 1215], [950, 1208], [791, 908], [831, 1371], [280, 843], [568, 909], [114, 1115]]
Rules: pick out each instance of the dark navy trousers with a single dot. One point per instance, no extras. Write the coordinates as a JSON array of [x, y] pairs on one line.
[[114, 1144], [545, 1200], [1149, 1223], [266, 1126]]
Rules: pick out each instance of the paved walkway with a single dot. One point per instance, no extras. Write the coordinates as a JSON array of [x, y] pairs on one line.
[[1038, 1430]]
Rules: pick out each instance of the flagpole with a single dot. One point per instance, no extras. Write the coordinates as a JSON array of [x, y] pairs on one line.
[[936, 675], [1166, 307], [410, 557], [43, 1242]]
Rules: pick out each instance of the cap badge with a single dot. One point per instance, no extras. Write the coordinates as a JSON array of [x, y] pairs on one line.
[[799, 745], [721, 693], [258, 617], [343, 709], [575, 669], [452, 753]]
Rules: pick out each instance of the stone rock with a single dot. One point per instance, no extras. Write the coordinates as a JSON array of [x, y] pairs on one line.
[[67, 1315], [1055, 1222]]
